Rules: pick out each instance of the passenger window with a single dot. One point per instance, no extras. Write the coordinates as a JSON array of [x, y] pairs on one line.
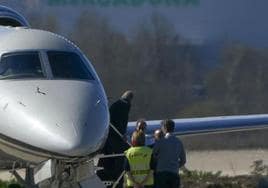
[[20, 65], [68, 65]]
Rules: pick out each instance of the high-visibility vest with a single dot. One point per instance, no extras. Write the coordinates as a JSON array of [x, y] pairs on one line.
[[139, 162]]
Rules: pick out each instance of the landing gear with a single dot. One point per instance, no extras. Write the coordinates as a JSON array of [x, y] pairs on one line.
[[54, 174], [28, 182]]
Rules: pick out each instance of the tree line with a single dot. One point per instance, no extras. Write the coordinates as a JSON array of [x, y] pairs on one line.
[[165, 70]]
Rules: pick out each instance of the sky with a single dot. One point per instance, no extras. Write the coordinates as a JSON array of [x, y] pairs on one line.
[[204, 21]]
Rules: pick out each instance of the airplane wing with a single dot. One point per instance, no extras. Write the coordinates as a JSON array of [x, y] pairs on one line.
[[194, 126]]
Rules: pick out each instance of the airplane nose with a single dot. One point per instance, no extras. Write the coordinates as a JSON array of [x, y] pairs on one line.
[[84, 120], [88, 126], [65, 117]]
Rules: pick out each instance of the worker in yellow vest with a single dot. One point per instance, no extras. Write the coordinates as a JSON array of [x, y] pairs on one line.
[[139, 163]]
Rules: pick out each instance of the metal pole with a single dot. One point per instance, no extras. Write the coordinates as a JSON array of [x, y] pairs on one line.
[[122, 136], [118, 179]]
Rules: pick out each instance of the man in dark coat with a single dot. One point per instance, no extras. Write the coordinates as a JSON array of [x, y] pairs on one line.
[[119, 112], [115, 144], [169, 155]]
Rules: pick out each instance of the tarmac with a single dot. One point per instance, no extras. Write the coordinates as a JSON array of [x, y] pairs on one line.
[[229, 162]]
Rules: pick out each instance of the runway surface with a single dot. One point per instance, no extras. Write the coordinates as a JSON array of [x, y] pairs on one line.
[[229, 162]]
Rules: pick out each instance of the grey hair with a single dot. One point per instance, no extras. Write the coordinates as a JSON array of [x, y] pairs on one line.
[[127, 95]]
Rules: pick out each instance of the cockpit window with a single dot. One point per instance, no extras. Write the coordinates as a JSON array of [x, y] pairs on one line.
[[20, 65], [10, 22], [68, 65]]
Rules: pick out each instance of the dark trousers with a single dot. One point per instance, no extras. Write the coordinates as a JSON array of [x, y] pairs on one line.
[[146, 186], [113, 167], [166, 180]]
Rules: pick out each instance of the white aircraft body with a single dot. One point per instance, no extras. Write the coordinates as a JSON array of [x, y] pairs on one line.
[[53, 105], [54, 115]]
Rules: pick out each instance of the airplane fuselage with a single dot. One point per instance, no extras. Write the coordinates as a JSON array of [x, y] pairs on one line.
[[52, 103]]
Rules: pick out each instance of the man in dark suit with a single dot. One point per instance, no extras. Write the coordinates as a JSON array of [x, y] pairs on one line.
[[158, 135], [119, 112], [169, 155], [116, 143]]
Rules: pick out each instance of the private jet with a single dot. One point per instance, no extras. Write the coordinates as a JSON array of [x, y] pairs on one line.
[[54, 115]]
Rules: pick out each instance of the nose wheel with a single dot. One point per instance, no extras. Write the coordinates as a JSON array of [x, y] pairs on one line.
[[55, 174], [28, 181]]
